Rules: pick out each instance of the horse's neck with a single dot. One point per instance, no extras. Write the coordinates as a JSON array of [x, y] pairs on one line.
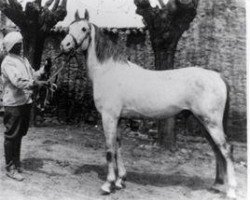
[[92, 61]]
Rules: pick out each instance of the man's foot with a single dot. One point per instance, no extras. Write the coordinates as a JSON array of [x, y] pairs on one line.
[[19, 169], [14, 174]]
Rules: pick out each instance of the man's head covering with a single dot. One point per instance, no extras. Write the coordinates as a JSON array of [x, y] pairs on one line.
[[11, 39]]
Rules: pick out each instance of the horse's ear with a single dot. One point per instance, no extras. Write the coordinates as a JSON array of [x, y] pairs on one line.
[[77, 16], [86, 15]]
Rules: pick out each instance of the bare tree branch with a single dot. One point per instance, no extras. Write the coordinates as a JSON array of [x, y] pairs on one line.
[[185, 1], [32, 10], [15, 5], [161, 3], [48, 18], [55, 5], [142, 3], [171, 6], [16, 17], [187, 4], [143, 7], [48, 3], [64, 4], [13, 12], [61, 12], [39, 3], [2, 3], [146, 11]]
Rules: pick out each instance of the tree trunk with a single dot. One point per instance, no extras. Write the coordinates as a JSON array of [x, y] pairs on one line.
[[33, 48], [167, 136], [164, 59], [166, 25]]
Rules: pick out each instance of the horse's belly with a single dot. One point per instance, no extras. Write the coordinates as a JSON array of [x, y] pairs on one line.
[[153, 103], [150, 112]]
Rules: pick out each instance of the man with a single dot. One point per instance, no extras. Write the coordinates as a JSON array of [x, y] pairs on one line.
[[19, 79]]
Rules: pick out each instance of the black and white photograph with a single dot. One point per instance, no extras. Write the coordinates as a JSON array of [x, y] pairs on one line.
[[124, 100]]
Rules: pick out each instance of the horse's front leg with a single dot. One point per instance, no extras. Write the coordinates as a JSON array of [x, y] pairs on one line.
[[110, 127], [120, 182]]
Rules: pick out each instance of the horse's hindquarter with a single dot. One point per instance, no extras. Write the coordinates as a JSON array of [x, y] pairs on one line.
[[207, 92]]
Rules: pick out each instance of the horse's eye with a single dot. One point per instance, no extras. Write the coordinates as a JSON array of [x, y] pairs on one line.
[[83, 29]]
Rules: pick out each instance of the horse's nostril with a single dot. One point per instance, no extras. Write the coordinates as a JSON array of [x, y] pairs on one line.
[[68, 44]]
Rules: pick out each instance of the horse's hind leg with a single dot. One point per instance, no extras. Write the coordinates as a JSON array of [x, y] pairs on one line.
[[110, 127], [220, 161], [218, 136], [120, 182]]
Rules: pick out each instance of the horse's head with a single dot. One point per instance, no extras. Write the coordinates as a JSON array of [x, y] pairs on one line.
[[78, 35]]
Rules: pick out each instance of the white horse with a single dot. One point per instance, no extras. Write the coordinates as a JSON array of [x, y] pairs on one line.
[[122, 88]]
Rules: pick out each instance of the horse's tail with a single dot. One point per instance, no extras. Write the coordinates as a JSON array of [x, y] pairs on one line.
[[226, 110], [226, 115]]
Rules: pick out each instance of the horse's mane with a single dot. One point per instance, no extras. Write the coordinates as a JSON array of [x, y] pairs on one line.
[[106, 48]]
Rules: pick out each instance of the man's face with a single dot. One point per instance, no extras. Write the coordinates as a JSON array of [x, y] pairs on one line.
[[17, 49]]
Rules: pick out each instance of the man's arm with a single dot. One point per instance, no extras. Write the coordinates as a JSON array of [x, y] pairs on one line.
[[11, 72], [37, 74], [15, 77]]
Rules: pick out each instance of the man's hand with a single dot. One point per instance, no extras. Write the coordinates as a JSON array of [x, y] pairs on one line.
[[41, 83], [48, 65]]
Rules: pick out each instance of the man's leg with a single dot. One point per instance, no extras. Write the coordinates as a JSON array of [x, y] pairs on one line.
[[23, 129], [13, 126], [16, 153], [8, 153]]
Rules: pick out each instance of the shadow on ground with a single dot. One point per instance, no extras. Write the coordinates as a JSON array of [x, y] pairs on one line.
[[32, 164], [36, 165], [160, 180]]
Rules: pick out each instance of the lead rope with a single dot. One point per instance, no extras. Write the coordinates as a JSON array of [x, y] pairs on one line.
[[53, 87]]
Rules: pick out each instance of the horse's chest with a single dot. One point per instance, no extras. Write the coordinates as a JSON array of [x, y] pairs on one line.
[[105, 97]]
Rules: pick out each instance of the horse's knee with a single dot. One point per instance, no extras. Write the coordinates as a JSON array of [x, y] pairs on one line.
[[227, 150]]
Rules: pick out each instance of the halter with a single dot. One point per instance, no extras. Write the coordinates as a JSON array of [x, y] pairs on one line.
[[75, 40]]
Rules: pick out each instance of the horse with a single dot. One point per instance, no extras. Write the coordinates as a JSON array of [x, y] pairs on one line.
[[124, 89]]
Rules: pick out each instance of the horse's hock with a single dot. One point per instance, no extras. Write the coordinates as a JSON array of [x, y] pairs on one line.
[[216, 40]]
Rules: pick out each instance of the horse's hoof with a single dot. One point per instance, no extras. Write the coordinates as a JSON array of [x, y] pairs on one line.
[[106, 188], [120, 184]]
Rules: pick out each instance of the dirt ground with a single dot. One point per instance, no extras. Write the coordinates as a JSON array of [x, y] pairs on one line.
[[68, 163]]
